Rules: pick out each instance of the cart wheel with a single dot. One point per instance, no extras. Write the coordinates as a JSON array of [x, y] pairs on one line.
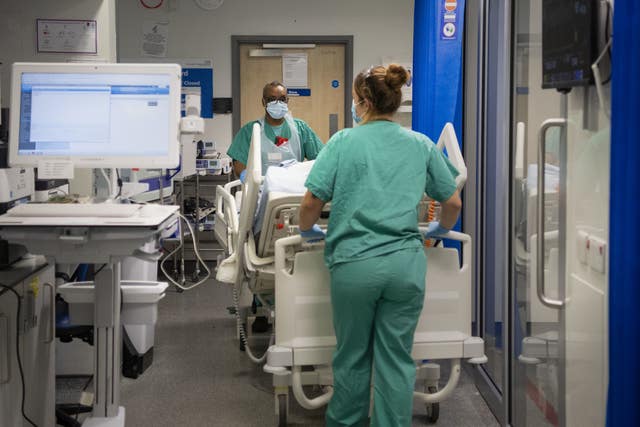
[[282, 410], [433, 409]]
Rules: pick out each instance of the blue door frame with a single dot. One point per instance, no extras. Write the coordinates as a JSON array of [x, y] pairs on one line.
[[624, 227]]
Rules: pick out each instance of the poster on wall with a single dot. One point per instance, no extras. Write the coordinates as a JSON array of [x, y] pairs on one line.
[[295, 70], [155, 36], [66, 36], [197, 76]]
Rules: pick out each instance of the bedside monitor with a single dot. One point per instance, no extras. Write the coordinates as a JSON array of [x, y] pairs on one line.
[[95, 115]]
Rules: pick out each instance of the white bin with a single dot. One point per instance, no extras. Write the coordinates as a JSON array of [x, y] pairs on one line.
[[143, 267], [139, 309]]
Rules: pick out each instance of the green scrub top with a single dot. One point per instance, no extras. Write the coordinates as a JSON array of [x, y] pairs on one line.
[[375, 176], [309, 141]]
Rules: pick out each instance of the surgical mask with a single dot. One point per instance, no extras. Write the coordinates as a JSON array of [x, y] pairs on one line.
[[356, 117], [277, 109]]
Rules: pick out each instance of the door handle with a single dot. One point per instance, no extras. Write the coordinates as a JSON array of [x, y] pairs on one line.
[[542, 132], [52, 313], [4, 324]]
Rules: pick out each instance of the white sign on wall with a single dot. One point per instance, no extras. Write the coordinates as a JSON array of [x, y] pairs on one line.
[[67, 36], [155, 36], [294, 70]]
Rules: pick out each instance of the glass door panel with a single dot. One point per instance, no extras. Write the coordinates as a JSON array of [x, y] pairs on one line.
[[560, 289], [537, 328]]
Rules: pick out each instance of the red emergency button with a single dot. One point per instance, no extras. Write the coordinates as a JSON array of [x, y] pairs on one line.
[[279, 226]]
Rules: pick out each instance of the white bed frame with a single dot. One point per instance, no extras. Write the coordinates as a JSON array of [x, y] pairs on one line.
[[295, 274]]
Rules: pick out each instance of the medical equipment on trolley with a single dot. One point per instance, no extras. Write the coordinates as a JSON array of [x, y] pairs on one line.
[[16, 186], [277, 267], [94, 116]]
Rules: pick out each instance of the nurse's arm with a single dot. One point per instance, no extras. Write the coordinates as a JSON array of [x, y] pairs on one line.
[[238, 167], [450, 209], [310, 210]]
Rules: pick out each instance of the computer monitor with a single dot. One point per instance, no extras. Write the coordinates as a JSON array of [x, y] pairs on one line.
[[95, 115]]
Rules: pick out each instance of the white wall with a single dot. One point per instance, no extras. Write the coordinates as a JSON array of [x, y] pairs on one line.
[[18, 31], [380, 28], [18, 43]]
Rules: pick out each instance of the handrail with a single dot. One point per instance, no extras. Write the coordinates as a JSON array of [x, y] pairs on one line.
[[465, 239], [449, 141]]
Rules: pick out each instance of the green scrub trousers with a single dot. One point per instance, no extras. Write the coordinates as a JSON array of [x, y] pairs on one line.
[[376, 305]]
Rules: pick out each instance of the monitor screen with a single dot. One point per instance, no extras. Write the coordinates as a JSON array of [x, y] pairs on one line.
[[568, 43], [106, 115]]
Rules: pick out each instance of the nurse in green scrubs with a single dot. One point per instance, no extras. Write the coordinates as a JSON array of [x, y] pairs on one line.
[[375, 175]]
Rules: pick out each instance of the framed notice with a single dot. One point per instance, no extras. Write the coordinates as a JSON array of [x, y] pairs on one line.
[[67, 36]]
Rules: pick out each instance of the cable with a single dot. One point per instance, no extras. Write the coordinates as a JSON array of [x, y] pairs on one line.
[[596, 69], [598, 81], [63, 276], [195, 250], [608, 39], [24, 415], [87, 383], [243, 335], [170, 254], [106, 178], [177, 171], [99, 270]]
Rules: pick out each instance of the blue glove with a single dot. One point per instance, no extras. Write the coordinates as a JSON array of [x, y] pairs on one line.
[[243, 176], [314, 234], [434, 229]]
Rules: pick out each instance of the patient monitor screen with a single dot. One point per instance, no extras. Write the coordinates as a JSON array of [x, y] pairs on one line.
[[94, 115]]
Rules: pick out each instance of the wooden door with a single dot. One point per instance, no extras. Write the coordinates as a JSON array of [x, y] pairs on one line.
[[323, 109]]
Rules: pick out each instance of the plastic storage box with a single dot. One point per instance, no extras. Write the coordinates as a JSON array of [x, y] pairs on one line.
[[139, 316]]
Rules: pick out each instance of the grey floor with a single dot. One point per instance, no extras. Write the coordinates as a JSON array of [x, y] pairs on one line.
[[200, 378]]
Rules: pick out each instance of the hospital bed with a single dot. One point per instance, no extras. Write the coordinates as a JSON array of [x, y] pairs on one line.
[[279, 264]]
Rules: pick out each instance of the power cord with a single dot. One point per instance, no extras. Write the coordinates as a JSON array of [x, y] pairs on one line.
[[608, 36], [99, 270], [24, 415], [108, 181], [243, 333], [170, 254], [599, 82], [195, 250]]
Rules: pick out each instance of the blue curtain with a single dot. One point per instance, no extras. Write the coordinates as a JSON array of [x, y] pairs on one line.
[[624, 227], [437, 67]]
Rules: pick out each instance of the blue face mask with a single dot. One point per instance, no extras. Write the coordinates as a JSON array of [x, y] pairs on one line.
[[356, 118], [277, 109]]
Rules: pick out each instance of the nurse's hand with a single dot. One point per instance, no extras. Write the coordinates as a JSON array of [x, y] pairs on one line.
[[434, 229], [243, 176], [312, 235]]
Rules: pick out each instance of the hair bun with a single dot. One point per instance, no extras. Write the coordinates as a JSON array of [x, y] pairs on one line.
[[396, 76]]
